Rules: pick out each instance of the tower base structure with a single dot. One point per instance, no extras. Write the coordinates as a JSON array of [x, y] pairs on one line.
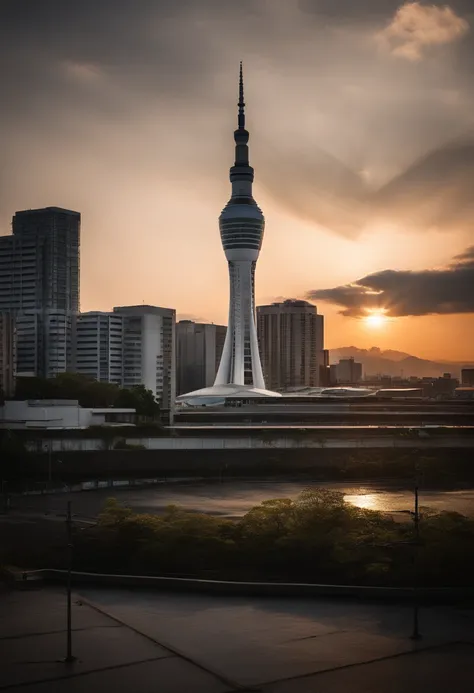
[[240, 361], [218, 395]]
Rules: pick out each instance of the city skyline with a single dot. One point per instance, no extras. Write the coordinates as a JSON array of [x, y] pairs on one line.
[[344, 101]]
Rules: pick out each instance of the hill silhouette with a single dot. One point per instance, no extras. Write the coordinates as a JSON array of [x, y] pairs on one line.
[[376, 361]]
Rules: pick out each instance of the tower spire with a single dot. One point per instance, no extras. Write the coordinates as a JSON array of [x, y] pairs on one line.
[[241, 104]]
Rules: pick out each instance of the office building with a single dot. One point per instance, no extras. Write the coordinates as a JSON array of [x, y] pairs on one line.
[[467, 377], [149, 350], [348, 371], [291, 340], [99, 346], [7, 354], [39, 284], [198, 353]]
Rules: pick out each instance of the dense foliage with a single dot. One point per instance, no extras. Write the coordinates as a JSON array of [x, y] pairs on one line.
[[315, 538], [89, 393], [15, 461]]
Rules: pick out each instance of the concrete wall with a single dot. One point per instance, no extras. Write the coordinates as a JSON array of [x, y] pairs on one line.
[[73, 466], [65, 444]]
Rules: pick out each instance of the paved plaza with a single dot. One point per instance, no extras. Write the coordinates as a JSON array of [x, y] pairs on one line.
[[148, 642]]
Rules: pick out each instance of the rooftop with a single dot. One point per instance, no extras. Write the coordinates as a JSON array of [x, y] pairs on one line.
[[218, 393], [60, 210], [144, 310]]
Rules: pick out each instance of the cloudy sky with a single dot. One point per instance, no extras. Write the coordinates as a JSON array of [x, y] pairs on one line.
[[361, 117]]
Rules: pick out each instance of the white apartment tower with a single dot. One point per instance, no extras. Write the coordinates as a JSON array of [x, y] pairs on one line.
[[149, 350], [99, 346], [133, 345]]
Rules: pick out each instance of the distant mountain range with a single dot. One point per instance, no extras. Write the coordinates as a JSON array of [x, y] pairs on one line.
[[397, 363]]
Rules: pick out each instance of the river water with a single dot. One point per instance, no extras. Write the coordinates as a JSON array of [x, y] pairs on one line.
[[235, 498]]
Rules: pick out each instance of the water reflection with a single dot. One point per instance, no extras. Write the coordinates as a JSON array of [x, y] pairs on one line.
[[366, 501], [235, 498]]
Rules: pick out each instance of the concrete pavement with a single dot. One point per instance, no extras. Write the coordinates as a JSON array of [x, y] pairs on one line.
[[273, 644], [148, 641], [110, 656]]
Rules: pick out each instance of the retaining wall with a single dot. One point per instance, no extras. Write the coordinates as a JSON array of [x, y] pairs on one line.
[[65, 444]]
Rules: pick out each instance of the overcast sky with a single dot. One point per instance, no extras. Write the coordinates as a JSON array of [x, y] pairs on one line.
[[362, 138]]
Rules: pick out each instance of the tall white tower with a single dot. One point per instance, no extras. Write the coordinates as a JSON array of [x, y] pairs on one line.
[[241, 225]]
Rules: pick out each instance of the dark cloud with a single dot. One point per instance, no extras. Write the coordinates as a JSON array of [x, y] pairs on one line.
[[314, 81], [318, 188], [398, 293], [435, 192], [366, 9]]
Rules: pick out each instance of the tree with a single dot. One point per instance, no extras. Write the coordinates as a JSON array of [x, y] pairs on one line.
[[316, 537], [15, 460], [34, 388], [140, 399], [89, 393]]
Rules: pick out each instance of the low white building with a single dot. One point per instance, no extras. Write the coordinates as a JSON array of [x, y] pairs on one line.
[[60, 414]]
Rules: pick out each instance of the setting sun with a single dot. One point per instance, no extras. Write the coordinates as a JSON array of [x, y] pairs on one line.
[[376, 320]]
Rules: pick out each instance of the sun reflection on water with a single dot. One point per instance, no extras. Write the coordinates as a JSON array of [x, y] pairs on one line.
[[367, 501]]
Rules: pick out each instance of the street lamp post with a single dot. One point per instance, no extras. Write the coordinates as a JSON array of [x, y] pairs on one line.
[[416, 635], [50, 471], [69, 656]]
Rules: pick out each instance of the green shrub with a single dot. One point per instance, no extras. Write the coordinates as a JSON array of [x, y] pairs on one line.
[[315, 538]]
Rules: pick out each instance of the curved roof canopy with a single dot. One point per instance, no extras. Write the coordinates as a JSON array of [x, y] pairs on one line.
[[217, 393]]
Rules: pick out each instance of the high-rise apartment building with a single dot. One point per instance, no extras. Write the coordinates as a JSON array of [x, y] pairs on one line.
[[149, 350], [291, 340], [133, 345], [39, 284], [348, 371], [7, 353], [99, 346], [198, 353]]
